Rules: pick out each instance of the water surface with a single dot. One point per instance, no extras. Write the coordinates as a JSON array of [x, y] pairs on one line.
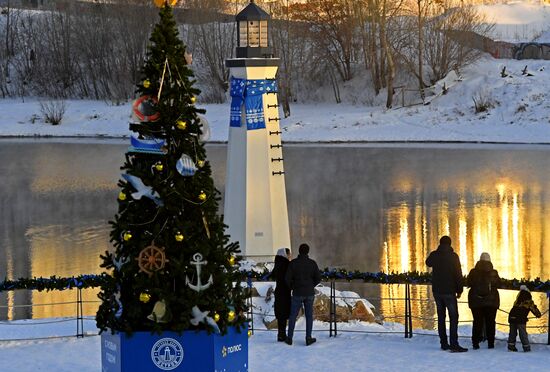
[[365, 207]]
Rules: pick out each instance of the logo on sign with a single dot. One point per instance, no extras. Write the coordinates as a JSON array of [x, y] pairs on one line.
[[167, 354], [231, 349]]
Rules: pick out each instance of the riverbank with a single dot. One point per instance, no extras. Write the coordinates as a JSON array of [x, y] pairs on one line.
[[518, 112]]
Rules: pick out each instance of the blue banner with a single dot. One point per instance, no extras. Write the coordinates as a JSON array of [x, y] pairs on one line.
[[249, 92], [170, 351]]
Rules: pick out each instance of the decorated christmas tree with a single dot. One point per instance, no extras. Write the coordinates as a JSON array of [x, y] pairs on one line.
[[172, 267]]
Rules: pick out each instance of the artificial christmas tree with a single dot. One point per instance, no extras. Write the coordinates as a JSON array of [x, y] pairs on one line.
[[172, 269]]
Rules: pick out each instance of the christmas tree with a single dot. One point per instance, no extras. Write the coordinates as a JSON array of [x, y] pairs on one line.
[[172, 267]]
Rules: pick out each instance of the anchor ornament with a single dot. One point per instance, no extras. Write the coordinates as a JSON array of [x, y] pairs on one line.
[[198, 262]]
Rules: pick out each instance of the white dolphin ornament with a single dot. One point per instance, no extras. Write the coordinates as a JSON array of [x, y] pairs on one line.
[[142, 190], [202, 316]]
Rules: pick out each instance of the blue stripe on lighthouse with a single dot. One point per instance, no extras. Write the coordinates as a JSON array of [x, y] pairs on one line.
[[249, 92]]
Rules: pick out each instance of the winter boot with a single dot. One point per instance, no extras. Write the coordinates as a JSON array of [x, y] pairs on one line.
[[288, 341], [526, 348], [475, 345], [512, 348], [310, 340], [458, 349]]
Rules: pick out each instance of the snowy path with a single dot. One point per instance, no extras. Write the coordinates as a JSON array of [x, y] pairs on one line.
[[347, 352]]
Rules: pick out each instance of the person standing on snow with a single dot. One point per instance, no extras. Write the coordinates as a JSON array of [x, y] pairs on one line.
[[302, 276], [447, 286], [483, 300], [518, 319], [282, 291]]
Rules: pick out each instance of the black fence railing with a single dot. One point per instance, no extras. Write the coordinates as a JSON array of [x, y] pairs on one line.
[[78, 318], [407, 317]]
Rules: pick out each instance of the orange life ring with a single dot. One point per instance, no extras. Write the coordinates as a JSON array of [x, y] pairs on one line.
[[144, 109]]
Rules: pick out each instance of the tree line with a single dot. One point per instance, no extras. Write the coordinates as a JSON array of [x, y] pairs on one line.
[[95, 49]]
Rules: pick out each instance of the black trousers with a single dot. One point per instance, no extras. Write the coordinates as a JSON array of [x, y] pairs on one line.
[[484, 317], [281, 325]]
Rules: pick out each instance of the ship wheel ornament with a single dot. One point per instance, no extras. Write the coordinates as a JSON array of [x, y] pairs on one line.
[[151, 259]]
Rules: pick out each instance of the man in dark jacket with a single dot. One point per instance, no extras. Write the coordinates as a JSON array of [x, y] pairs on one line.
[[302, 276], [447, 286]]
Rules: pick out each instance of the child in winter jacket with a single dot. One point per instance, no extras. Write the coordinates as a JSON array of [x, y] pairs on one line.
[[518, 319]]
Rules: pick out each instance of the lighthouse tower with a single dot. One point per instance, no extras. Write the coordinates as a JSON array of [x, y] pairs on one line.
[[255, 206]]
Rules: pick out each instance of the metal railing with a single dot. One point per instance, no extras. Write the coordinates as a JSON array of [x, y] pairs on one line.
[[407, 317], [79, 318], [333, 330]]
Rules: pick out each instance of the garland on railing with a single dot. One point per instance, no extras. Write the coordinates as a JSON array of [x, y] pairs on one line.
[[413, 277], [55, 283]]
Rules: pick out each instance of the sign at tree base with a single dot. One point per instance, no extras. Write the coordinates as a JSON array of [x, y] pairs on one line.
[[170, 351]]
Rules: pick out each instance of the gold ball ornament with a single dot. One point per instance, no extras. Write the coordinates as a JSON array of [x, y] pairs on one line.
[[179, 237], [232, 260], [144, 297], [127, 236], [249, 333], [216, 317], [231, 316], [159, 167], [180, 124], [201, 163], [202, 196], [193, 99], [121, 196], [146, 83], [162, 3]]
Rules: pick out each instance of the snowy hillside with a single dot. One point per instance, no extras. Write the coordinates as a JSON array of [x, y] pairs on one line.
[[519, 113], [518, 21]]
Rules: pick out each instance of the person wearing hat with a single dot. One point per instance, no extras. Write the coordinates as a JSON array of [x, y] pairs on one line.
[[518, 319], [282, 291], [483, 300], [447, 287]]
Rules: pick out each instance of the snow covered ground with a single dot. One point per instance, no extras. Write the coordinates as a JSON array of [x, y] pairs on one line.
[[520, 113], [349, 351]]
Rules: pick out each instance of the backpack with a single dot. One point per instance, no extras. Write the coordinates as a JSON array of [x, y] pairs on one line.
[[482, 287]]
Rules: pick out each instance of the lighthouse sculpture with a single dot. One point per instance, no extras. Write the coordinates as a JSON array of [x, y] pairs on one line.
[[255, 207]]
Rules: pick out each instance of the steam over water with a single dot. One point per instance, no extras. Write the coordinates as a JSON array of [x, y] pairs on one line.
[[364, 207]]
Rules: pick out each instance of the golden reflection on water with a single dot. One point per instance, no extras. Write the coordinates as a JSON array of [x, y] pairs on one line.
[[424, 311], [64, 251], [493, 221]]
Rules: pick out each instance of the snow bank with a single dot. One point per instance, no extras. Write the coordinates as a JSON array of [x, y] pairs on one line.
[[520, 114]]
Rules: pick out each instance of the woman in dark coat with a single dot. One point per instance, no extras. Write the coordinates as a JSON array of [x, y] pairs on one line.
[[483, 300], [282, 291]]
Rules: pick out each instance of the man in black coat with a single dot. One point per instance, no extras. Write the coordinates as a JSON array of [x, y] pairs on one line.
[[447, 286], [302, 276]]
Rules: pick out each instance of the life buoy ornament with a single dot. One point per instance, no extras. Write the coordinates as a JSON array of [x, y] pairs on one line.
[[144, 109]]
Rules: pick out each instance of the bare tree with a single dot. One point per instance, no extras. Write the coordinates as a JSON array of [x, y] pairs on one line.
[[445, 49], [331, 27]]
